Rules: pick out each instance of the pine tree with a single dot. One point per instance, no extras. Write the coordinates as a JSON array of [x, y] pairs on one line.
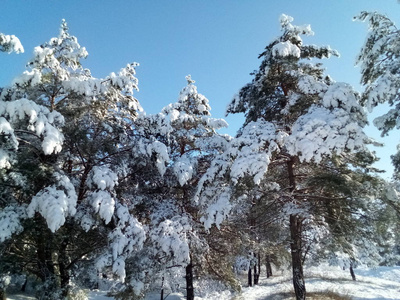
[[187, 135], [68, 152], [296, 119], [379, 63]]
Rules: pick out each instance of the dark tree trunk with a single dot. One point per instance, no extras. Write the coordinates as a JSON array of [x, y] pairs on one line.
[[249, 277], [162, 289], [353, 276], [295, 224], [44, 257], [23, 287], [256, 274], [2, 294], [297, 267], [268, 265], [63, 267], [189, 282]]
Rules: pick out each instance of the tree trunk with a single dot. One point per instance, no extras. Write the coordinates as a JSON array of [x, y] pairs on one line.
[[295, 224], [353, 276], [162, 289], [189, 282], [256, 274], [63, 267], [268, 265], [44, 256], [297, 267], [23, 287], [2, 294], [249, 277]]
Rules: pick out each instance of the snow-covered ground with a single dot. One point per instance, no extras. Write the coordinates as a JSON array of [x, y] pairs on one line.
[[374, 284]]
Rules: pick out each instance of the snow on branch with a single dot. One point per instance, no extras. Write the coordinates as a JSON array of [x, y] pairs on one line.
[[253, 150], [55, 203], [10, 43], [37, 119], [322, 132], [170, 237], [10, 221]]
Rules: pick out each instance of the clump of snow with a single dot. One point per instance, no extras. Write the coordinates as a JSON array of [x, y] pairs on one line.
[[285, 19], [253, 150], [10, 43], [218, 211], [152, 148], [10, 221], [41, 121], [28, 78], [102, 178], [5, 159], [128, 236], [170, 236], [183, 169], [322, 132], [55, 202], [310, 85], [284, 49], [126, 80], [103, 204]]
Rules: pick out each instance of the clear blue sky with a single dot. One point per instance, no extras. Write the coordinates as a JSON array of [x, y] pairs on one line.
[[216, 41]]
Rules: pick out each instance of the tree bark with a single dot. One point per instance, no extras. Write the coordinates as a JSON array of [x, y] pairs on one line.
[[162, 289], [249, 278], [2, 294], [63, 267], [44, 256], [295, 224], [353, 276], [297, 267], [256, 274], [189, 281], [268, 265]]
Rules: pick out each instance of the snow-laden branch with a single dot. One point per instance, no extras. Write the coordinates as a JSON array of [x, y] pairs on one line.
[[10, 43]]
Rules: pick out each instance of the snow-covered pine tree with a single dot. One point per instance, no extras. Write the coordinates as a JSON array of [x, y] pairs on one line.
[[8, 43], [379, 62], [296, 118], [193, 143], [69, 150], [176, 239]]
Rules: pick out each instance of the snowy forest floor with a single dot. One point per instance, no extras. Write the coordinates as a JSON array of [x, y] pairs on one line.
[[321, 283]]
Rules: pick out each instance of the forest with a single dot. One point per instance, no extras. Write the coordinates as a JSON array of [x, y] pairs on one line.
[[95, 192]]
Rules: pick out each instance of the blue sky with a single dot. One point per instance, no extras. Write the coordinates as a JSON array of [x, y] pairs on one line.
[[216, 41]]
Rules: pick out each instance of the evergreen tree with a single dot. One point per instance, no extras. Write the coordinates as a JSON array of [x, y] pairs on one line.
[[296, 119], [187, 134], [379, 63], [66, 155]]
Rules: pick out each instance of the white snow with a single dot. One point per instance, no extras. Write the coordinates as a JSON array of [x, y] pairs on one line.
[[103, 178], [41, 121], [183, 169], [381, 283], [216, 212], [283, 49], [10, 43], [10, 218], [321, 133], [103, 204], [55, 202]]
